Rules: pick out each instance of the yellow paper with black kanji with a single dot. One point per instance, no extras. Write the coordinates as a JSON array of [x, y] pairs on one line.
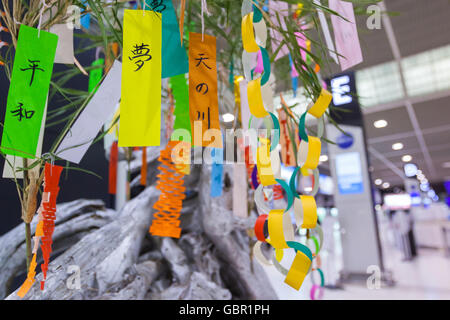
[[203, 101], [140, 107]]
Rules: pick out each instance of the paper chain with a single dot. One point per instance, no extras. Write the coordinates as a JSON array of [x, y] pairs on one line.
[[276, 223], [166, 221]]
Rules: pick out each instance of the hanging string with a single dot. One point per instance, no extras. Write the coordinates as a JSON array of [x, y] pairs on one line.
[[44, 6], [144, 4], [204, 9]]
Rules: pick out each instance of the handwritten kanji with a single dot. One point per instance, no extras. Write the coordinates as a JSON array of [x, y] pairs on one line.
[[22, 113], [140, 51], [33, 66], [158, 6], [202, 115], [200, 60], [199, 88]]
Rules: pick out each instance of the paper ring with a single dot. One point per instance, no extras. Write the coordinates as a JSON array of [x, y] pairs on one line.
[[316, 288]]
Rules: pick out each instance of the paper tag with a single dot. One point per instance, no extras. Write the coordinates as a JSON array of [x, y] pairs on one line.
[[140, 107], [27, 96], [64, 50], [86, 127], [346, 34]]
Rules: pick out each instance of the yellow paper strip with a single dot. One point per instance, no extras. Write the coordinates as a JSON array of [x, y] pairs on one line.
[[255, 101], [309, 211], [309, 153], [298, 270], [276, 232], [263, 163], [248, 35], [140, 108], [321, 104]]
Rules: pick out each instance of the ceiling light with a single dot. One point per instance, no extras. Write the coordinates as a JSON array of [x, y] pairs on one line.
[[380, 123], [386, 185], [424, 180], [419, 172], [228, 117], [406, 158], [420, 177], [323, 158], [378, 181], [446, 164], [397, 146]]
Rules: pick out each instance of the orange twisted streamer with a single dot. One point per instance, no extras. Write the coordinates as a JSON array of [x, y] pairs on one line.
[[168, 207]]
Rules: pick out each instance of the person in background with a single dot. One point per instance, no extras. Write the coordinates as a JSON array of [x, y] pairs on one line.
[[402, 225]]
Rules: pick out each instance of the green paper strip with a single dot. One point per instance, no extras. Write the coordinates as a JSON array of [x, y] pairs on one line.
[[180, 92], [30, 82], [257, 14], [174, 56], [300, 247], [266, 63], [289, 194], [301, 127], [276, 127], [292, 182], [95, 75]]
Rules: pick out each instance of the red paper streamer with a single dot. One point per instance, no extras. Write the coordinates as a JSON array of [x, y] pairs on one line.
[[113, 159], [51, 190], [144, 167]]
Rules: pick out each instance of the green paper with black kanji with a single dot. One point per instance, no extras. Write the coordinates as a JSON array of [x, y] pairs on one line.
[[30, 82]]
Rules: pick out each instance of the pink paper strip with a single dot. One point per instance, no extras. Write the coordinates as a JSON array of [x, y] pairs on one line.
[[280, 8], [345, 34], [259, 65]]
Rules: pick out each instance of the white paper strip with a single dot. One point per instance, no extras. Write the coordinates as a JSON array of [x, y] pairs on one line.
[[326, 32], [88, 124], [240, 190], [64, 50]]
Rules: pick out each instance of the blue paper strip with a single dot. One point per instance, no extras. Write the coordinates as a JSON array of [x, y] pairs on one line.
[[216, 172]]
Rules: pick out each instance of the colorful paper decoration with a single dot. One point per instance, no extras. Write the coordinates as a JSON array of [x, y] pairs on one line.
[[326, 32], [48, 211], [166, 221], [174, 57], [278, 10], [286, 135], [86, 127], [240, 185], [278, 221], [203, 100], [64, 50], [30, 82], [144, 167], [140, 107], [113, 161], [95, 75], [45, 226], [180, 93], [345, 34], [216, 172]]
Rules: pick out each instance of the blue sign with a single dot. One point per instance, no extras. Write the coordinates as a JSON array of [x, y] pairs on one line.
[[345, 141], [349, 173]]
